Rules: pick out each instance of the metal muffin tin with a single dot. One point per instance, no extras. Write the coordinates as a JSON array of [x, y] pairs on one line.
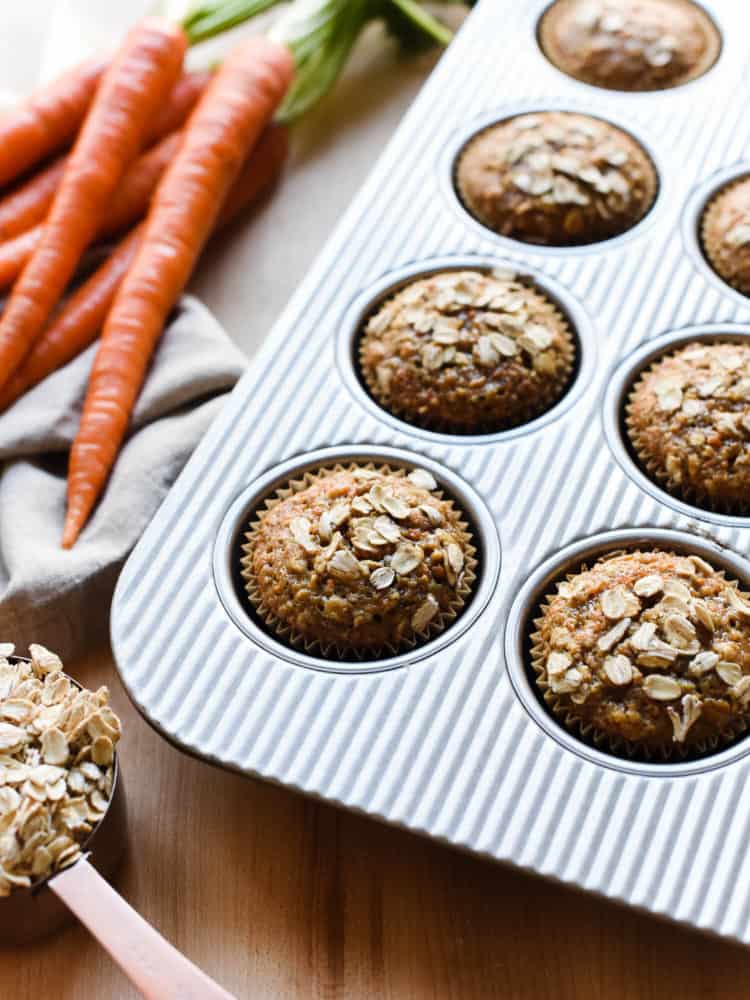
[[450, 740]]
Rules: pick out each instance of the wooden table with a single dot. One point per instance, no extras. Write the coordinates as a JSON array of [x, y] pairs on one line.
[[276, 896]]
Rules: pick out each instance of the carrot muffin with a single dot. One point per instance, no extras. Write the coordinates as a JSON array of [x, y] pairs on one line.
[[556, 178], [359, 560], [467, 352], [630, 44], [688, 420], [726, 234], [647, 652], [57, 760]]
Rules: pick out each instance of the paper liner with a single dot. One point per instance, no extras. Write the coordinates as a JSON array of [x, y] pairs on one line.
[[711, 248], [650, 182], [686, 493], [285, 632], [544, 403], [587, 731]]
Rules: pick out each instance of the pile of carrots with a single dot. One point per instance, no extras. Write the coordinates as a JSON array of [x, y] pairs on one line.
[[133, 139]]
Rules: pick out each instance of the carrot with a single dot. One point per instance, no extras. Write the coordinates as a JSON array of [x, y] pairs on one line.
[[131, 92], [30, 201], [132, 198], [79, 321], [47, 121], [15, 253], [224, 126], [129, 204], [77, 324], [182, 100], [258, 174]]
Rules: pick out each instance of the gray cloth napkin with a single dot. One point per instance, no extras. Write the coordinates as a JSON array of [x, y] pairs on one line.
[[60, 598]]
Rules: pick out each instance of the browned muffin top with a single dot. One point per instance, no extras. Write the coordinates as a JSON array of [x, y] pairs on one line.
[[631, 45], [726, 234], [556, 178], [360, 559], [467, 351], [689, 422], [648, 647]]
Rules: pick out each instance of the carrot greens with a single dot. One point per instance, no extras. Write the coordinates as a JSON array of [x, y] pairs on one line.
[[321, 35]]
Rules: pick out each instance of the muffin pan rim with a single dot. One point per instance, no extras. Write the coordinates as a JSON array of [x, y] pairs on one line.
[[616, 393], [583, 106], [533, 589], [708, 8], [229, 532], [350, 329], [692, 217]]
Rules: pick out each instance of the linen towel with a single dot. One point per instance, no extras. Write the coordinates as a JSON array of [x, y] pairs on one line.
[[61, 598]]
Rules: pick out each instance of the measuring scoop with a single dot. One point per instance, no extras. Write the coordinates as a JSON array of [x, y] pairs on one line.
[[153, 965]]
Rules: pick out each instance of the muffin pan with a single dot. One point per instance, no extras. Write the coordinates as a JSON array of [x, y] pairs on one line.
[[450, 739]]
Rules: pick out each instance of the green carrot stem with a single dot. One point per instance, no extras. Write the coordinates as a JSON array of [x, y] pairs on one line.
[[422, 18], [320, 34], [211, 19]]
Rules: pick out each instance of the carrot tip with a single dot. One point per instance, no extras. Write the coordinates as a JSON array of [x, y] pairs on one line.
[[73, 525]]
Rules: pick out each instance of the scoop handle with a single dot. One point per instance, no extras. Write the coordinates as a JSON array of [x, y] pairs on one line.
[[156, 968]]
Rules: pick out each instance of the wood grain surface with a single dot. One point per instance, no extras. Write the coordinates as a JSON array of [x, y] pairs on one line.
[[277, 896]]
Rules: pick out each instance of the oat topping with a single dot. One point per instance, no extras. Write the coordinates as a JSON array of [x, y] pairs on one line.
[[360, 561], [648, 647], [467, 351], [689, 422], [556, 177], [726, 234], [630, 44], [57, 746]]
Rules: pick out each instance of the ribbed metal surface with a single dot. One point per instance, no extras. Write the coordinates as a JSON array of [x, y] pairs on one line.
[[444, 746]]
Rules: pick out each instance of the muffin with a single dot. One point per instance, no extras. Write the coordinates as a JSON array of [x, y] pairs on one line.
[[358, 560], [556, 178], [57, 766], [688, 421], [725, 233], [467, 352], [647, 653], [629, 44]]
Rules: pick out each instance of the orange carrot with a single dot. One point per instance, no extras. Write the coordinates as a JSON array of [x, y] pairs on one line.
[[131, 92], [132, 198], [129, 205], [15, 253], [258, 174], [47, 121], [78, 323], [223, 128], [182, 100], [29, 202]]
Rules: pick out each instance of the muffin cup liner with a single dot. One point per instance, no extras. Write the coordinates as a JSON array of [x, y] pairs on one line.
[[689, 494], [333, 651], [649, 179], [619, 746], [544, 403], [712, 247]]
